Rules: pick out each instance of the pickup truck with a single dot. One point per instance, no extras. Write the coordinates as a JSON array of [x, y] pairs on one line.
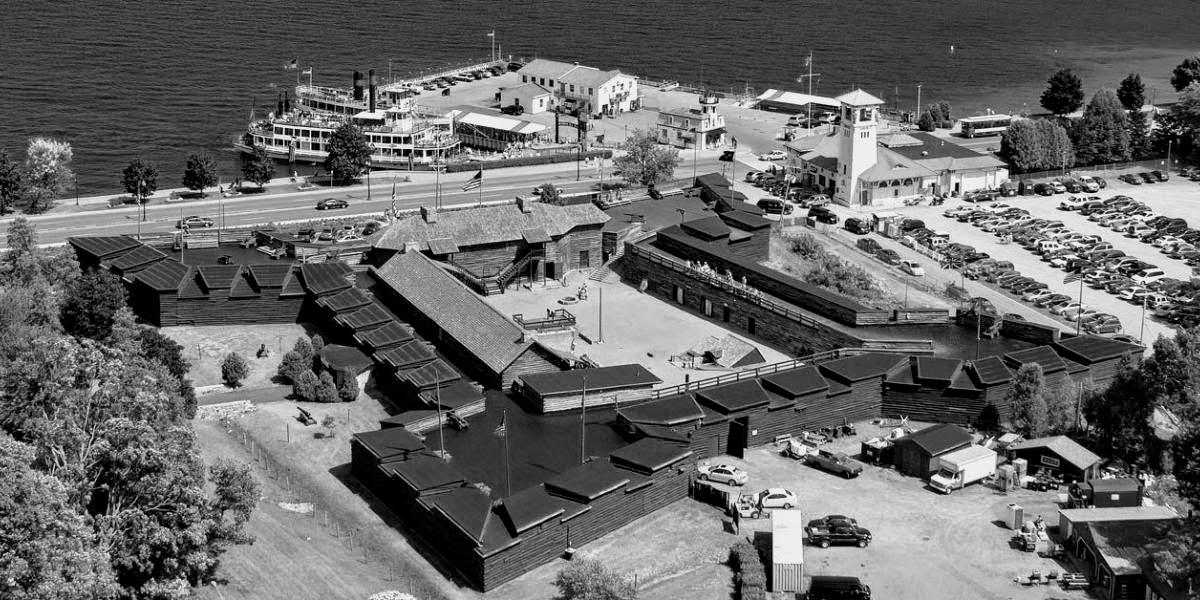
[[842, 535], [836, 463]]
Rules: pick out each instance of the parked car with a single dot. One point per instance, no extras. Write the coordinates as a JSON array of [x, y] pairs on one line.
[[835, 462], [777, 498], [888, 256], [727, 474], [773, 155], [1043, 189], [839, 534], [332, 203], [771, 206], [823, 215], [1147, 177], [856, 225], [194, 221]]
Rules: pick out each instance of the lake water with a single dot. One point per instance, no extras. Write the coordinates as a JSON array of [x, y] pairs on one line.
[[123, 78]]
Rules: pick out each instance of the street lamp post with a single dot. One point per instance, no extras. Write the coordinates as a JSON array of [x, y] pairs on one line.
[[578, 157]]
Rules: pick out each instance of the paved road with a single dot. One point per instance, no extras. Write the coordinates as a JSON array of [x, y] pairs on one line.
[[97, 219]]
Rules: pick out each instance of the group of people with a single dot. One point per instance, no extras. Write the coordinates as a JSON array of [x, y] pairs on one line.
[[703, 268]]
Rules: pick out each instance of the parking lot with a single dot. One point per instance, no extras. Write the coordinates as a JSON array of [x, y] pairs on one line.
[[925, 545], [1177, 198]]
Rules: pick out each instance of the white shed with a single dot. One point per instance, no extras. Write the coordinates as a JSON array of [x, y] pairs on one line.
[[787, 551]]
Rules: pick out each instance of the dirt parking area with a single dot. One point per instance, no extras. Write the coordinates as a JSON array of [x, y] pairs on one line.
[[205, 347], [638, 328], [926, 545]]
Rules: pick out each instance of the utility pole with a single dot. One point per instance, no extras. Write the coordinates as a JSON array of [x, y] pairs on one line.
[[917, 114], [800, 79]]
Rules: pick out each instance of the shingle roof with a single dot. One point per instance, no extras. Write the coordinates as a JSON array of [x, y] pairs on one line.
[[338, 356], [1066, 448], [530, 507], [1042, 355], [709, 228], [567, 72], [1120, 484], [218, 277], [490, 225], [389, 334], [433, 373], [467, 507], [939, 154], [164, 276], [728, 351], [1089, 349], [406, 356], [390, 443], [269, 275], [858, 98], [345, 301], [103, 246], [649, 456], [1123, 546], [457, 311], [442, 246], [242, 288], [589, 481], [941, 438], [425, 472], [937, 369], [734, 397], [990, 370], [139, 257], [796, 382], [599, 379], [668, 411], [745, 220], [371, 315], [891, 165], [863, 366], [325, 278], [451, 396]]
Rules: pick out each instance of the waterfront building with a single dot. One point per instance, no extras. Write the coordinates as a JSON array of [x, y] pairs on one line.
[[490, 131], [858, 165], [594, 92], [701, 129], [530, 96]]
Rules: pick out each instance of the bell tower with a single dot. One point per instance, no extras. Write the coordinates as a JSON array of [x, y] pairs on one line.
[[857, 144]]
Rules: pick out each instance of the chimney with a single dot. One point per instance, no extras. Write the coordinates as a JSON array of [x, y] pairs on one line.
[[523, 204], [429, 214], [358, 86], [371, 89]]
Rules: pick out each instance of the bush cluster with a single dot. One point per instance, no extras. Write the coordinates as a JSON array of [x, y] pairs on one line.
[[830, 272], [310, 382], [749, 572], [521, 161], [807, 246]]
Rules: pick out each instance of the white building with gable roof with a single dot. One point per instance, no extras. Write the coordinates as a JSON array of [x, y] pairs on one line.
[[596, 92]]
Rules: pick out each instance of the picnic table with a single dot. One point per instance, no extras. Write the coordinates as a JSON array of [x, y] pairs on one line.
[[1074, 581]]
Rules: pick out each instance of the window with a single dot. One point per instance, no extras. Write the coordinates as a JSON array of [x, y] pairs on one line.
[[677, 293], [572, 88], [750, 325], [590, 91], [584, 259], [725, 313], [708, 307], [524, 79]]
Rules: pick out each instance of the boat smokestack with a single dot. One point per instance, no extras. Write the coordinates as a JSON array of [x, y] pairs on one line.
[[278, 104], [371, 90], [358, 86], [287, 101]]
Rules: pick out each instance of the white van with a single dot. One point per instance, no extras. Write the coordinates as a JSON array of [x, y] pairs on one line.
[[1149, 276], [797, 120], [1047, 246]]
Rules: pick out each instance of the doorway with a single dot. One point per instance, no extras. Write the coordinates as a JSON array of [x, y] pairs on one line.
[[739, 437], [551, 272]]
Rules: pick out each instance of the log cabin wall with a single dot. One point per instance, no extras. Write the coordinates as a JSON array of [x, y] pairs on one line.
[[488, 259]]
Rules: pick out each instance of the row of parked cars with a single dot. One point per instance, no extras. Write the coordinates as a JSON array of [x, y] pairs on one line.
[[787, 196], [1055, 243], [1144, 177], [1172, 300]]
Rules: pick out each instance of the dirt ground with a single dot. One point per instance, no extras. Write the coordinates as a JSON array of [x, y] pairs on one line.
[[927, 545], [307, 469], [205, 347], [638, 328]]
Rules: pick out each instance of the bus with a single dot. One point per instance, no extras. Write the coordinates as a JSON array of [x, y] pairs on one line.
[[985, 125]]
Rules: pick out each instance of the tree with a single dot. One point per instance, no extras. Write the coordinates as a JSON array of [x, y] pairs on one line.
[[349, 153], [1028, 401], [587, 579], [10, 182], [91, 303], [1102, 135], [347, 389], [1062, 405], [140, 178], [234, 369], [1181, 126], [1132, 92], [327, 390], [47, 171], [305, 386], [51, 551], [928, 121], [1059, 153], [946, 121], [156, 347], [258, 166], [1186, 73], [1064, 93], [1139, 136], [200, 173], [1023, 146], [645, 162], [1121, 413], [548, 192], [292, 366]]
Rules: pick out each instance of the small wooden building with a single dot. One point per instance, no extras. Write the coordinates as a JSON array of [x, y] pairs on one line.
[[1102, 356], [603, 386], [1120, 556], [1059, 456], [916, 454], [1054, 368]]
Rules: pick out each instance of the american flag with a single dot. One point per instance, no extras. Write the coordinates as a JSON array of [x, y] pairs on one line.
[[501, 429], [475, 182], [1075, 275]]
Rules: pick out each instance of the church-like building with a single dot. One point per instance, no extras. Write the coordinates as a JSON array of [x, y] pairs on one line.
[[859, 165]]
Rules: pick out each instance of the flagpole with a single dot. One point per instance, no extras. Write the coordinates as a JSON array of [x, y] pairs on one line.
[[583, 424], [437, 391], [481, 183], [1079, 317], [507, 468]]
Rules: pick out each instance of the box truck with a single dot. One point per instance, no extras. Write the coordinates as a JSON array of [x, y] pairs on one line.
[[963, 467]]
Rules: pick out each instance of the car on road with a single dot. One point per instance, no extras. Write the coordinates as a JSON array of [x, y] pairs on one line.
[[332, 203], [727, 474], [773, 155], [888, 256], [859, 226], [194, 221], [777, 498]]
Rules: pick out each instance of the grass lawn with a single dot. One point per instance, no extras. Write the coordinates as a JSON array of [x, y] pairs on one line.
[[205, 347]]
